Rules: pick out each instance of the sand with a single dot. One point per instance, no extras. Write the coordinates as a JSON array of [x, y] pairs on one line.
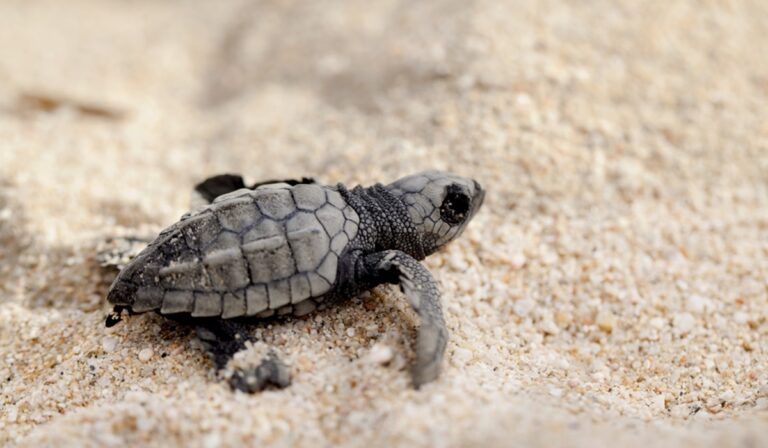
[[613, 291]]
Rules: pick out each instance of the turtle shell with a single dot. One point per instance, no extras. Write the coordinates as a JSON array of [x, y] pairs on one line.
[[250, 252]]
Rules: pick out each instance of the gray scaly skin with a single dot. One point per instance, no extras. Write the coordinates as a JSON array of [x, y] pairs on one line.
[[290, 247]]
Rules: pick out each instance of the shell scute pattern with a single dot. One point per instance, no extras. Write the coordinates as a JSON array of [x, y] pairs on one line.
[[275, 203], [225, 241], [308, 246], [327, 269], [232, 194], [183, 275], [148, 298], [350, 227], [256, 299], [317, 284], [331, 218], [279, 293], [300, 288], [177, 301], [207, 304], [308, 196], [227, 269], [200, 230], [335, 199], [266, 228], [339, 242], [250, 252], [238, 214], [269, 259], [234, 305]]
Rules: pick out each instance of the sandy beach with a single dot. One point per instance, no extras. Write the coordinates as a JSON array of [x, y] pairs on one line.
[[613, 290]]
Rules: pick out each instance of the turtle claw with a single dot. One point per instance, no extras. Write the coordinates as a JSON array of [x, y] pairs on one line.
[[270, 372]]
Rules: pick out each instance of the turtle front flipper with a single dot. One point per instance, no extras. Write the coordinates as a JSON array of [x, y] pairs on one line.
[[215, 186], [291, 182], [420, 289]]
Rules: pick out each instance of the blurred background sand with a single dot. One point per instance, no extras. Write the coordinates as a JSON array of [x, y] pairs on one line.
[[613, 291]]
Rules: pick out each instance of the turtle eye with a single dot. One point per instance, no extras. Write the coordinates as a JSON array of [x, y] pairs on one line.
[[455, 207]]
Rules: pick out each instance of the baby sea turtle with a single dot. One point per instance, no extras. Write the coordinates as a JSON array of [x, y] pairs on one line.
[[290, 247]]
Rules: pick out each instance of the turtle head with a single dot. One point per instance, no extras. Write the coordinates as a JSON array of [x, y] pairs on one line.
[[440, 204]]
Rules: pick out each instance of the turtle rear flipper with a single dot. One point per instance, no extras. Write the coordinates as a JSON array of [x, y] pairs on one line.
[[223, 339], [271, 371], [114, 317]]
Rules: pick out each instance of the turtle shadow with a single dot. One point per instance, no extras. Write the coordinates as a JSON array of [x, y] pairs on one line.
[[39, 275], [64, 277], [15, 240]]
